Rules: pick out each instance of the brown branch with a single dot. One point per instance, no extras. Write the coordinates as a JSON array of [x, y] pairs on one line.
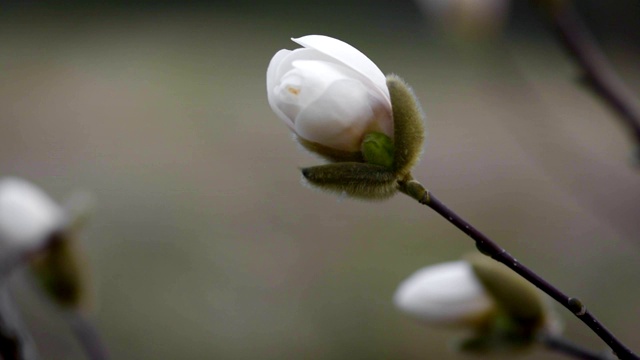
[[568, 348], [16, 342], [490, 248], [87, 335]]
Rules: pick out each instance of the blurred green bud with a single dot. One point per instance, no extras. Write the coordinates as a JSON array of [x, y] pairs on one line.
[[61, 269], [503, 311], [523, 314], [41, 231], [503, 334], [516, 296], [61, 272]]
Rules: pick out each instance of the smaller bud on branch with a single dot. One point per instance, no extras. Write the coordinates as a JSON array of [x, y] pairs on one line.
[[503, 311]]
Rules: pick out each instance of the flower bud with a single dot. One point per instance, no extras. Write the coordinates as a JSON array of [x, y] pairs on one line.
[[445, 294], [341, 107], [329, 94], [28, 216], [504, 311], [29, 220], [61, 272]]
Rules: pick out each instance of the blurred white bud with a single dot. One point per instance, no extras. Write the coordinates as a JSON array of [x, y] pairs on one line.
[[445, 294], [329, 93], [27, 215]]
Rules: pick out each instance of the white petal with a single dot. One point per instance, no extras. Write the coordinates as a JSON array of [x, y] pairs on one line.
[[339, 118], [299, 54], [27, 214], [272, 82], [316, 76], [281, 64], [351, 57], [447, 293]]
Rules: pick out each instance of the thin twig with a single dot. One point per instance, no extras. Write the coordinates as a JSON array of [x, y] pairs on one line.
[[16, 342], [490, 248], [566, 347], [576, 38], [87, 335]]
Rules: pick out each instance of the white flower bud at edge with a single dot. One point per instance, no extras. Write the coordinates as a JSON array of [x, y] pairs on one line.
[[27, 214], [445, 294], [329, 93]]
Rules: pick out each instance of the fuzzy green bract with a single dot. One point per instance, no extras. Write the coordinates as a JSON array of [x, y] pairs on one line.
[[377, 149]]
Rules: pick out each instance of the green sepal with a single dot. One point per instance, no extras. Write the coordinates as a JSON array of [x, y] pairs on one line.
[[377, 149], [408, 126], [60, 271], [514, 295], [360, 180], [503, 334], [332, 155]]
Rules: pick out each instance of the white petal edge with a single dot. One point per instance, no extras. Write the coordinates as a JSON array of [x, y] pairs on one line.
[[349, 56], [272, 82]]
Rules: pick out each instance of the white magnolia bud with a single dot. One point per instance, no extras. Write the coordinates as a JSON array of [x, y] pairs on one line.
[[27, 215], [329, 93], [445, 294]]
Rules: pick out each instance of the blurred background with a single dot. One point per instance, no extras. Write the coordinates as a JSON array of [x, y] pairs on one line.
[[204, 243]]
